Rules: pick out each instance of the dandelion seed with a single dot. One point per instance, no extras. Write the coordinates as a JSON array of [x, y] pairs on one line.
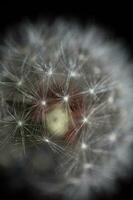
[[112, 137], [50, 72], [83, 146], [85, 120], [46, 140], [73, 74], [20, 123], [87, 166], [92, 91], [110, 99], [43, 103], [66, 98], [19, 83]]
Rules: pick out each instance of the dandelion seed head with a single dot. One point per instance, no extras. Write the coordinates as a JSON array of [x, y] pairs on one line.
[[66, 102]]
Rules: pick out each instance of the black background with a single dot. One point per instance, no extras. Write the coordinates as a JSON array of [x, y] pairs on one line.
[[115, 18]]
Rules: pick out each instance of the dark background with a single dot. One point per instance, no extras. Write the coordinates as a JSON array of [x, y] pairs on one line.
[[115, 18]]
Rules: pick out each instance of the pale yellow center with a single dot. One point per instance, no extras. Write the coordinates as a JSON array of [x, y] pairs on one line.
[[57, 120]]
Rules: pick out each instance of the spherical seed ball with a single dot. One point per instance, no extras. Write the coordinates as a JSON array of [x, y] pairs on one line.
[[66, 108]]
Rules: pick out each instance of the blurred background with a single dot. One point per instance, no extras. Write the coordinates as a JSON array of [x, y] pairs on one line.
[[117, 19]]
